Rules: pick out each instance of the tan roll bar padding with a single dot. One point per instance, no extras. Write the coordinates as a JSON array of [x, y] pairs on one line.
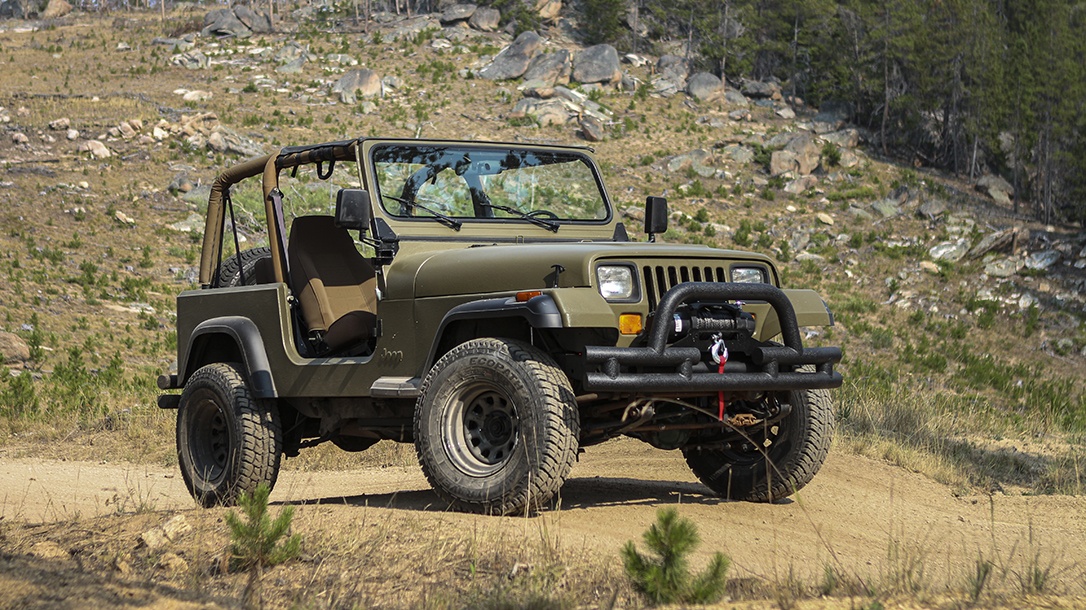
[[269, 166]]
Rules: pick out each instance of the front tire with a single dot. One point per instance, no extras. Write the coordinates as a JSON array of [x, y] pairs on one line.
[[776, 460], [227, 441], [496, 427]]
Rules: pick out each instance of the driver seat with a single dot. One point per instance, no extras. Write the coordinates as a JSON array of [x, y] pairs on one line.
[[335, 284]]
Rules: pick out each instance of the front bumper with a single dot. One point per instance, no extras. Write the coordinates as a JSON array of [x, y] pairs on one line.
[[771, 367]]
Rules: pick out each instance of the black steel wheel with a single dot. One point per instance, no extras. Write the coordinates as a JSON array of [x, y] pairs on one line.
[[774, 460], [496, 427], [227, 441]]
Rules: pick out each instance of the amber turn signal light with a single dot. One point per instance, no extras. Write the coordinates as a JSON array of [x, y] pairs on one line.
[[527, 295], [629, 323]]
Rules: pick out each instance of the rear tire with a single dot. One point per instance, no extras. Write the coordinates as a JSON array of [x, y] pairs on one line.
[[230, 274], [227, 441], [496, 427], [798, 445]]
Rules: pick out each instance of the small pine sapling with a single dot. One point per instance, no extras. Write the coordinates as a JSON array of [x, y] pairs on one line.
[[256, 541], [666, 577]]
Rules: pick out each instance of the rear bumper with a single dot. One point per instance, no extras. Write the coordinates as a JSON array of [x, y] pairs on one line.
[[771, 369]]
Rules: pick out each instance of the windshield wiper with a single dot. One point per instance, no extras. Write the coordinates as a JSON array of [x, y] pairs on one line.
[[441, 217], [541, 222]]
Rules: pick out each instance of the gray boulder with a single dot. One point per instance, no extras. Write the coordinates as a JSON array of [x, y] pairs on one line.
[[545, 112], [485, 19], [513, 61], [258, 22], [550, 68], [364, 82], [591, 129], [736, 98], [674, 69], [705, 87], [781, 162], [457, 12], [226, 140], [950, 251], [996, 187], [761, 91], [808, 153], [16, 9], [597, 64], [224, 23], [56, 9]]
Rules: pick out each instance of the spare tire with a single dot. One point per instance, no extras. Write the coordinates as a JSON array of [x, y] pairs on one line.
[[231, 273]]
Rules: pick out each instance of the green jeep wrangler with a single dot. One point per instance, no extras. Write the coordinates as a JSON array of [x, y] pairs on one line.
[[484, 302]]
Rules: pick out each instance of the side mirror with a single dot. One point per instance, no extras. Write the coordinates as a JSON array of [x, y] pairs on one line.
[[655, 216], [353, 209]]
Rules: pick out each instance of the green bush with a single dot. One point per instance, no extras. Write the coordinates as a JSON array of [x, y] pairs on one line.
[[666, 578]]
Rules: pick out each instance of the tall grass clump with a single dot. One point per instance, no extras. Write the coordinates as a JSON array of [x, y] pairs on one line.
[[666, 578]]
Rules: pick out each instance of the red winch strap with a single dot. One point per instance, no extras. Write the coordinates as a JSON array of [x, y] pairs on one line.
[[720, 394]]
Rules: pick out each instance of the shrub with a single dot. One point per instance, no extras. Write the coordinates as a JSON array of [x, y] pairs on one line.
[[666, 578], [256, 542]]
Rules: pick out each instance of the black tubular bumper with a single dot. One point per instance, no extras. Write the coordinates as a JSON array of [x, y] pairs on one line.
[[767, 361]]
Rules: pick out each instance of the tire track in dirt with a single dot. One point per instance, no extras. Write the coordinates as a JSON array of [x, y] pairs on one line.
[[863, 517]]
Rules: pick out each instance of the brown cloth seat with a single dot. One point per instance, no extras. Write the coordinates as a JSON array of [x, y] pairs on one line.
[[335, 284]]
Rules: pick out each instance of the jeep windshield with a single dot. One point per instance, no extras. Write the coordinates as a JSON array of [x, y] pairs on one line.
[[455, 183]]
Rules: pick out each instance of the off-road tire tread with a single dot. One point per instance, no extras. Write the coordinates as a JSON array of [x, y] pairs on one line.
[[561, 426], [228, 273], [259, 430], [792, 473]]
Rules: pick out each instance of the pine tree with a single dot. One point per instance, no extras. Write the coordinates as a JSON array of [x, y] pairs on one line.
[[256, 541], [666, 578]]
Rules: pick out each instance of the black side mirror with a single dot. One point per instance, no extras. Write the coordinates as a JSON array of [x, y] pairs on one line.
[[353, 209], [655, 216]]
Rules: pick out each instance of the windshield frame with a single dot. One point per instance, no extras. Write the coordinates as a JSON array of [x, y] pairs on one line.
[[387, 200]]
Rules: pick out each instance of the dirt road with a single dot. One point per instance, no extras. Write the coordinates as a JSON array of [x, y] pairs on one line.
[[859, 516]]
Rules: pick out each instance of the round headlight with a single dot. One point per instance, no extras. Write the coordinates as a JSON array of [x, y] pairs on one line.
[[616, 282]]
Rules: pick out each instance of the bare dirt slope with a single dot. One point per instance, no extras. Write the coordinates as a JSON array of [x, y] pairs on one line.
[[862, 517]]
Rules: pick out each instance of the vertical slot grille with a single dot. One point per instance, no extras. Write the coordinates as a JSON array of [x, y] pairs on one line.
[[658, 279]]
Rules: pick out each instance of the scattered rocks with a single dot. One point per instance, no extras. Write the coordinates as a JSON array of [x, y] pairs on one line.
[[364, 82], [825, 218], [191, 60], [760, 90], [550, 68], [170, 531], [591, 129], [47, 549], [239, 22], [13, 349], [56, 9], [485, 19], [95, 148], [950, 251], [929, 267], [1003, 268], [19, 138], [226, 140], [1042, 260], [996, 187], [197, 95], [705, 87], [548, 9], [513, 61], [61, 124], [545, 112], [597, 64], [1004, 241], [932, 208]]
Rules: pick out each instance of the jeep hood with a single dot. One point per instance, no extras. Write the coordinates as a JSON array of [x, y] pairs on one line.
[[497, 269]]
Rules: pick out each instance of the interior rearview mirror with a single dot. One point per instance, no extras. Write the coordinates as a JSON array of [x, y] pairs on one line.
[[655, 216], [353, 209]]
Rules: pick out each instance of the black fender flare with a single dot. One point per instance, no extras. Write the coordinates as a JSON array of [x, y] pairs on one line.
[[246, 337], [539, 311]]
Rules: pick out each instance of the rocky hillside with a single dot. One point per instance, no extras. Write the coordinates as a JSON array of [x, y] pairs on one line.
[[112, 128]]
